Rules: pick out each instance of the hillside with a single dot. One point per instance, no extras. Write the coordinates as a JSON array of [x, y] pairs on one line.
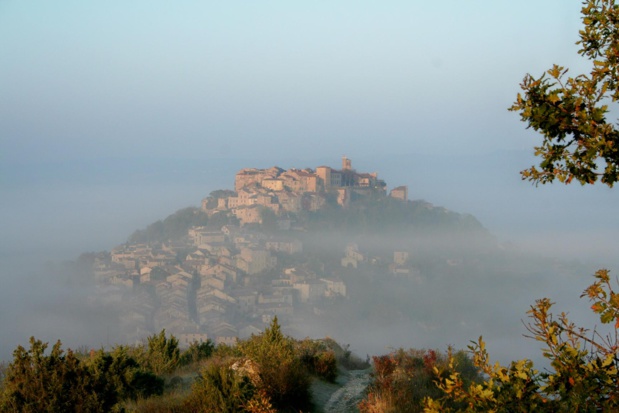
[[324, 263], [310, 253]]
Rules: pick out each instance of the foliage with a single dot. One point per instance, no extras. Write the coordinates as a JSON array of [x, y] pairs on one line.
[[345, 357], [3, 369], [214, 196], [173, 227], [264, 374], [197, 351], [583, 375], [268, 219], [223, 350], [388, 215], [36, 382], [118, 376], [318, 359], [220, 389], [159, 274], [60, 381], [220, 218], [324, 365], [163, 354], [226, 385], [282, 376], [579, 142], [403, 379]]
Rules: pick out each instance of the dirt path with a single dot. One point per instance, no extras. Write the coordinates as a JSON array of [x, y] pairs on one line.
[[346, 398]]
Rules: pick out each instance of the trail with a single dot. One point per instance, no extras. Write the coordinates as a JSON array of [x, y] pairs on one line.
[[346, 398]]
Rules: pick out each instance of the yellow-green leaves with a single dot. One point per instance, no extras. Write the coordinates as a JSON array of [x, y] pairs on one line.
[[571, 111], [583, 372], [605, 299], [557, 71]]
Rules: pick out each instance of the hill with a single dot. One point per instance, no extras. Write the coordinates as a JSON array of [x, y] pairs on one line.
[[347, 260], [338, 261]]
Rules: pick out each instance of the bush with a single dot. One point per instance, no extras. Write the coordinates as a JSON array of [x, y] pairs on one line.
[[118, 376], [282, 376], [402, 380], [36, 382], [318, 359], [196, 352], [61, 382], [583, 372], [173, 227], [325, 365], [163, 354], [220, 389]]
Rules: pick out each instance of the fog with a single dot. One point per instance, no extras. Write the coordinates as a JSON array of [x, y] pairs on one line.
[[51, 217], [113, 117]]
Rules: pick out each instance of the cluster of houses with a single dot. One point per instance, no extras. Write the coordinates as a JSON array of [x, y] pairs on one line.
[[295, 190], [215, 284]]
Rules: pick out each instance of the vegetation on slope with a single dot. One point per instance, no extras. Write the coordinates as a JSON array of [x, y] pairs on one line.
[[171, 228], [403, 379], [380, 214], [269, 372], [389, 215]]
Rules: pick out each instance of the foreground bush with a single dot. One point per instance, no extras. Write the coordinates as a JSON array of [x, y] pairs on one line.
[[61, 382], [281, 375], [345, 357], [163, 354], [220, 389], [266, 373], [196, 352], [583, 374], [318, 359], [402, 380]]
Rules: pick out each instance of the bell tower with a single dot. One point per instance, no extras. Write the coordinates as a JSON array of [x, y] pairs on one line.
[[346, 164]]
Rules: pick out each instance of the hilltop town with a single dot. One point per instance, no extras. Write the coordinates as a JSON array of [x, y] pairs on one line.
[[224, 282], [291, 191]]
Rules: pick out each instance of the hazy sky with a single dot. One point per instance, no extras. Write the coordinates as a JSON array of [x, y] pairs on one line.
[[202, 79]]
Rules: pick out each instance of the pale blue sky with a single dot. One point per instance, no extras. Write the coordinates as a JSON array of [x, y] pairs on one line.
[[193, 79]]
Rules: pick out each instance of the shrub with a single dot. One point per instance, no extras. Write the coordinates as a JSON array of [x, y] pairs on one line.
[[118, 376], [325, 365], [220, 389], [345, 357], [318, 359], [36, 382], [283, 378], [197, 351], [60, 381], [402, 380], [583, 372], [163, 354]]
